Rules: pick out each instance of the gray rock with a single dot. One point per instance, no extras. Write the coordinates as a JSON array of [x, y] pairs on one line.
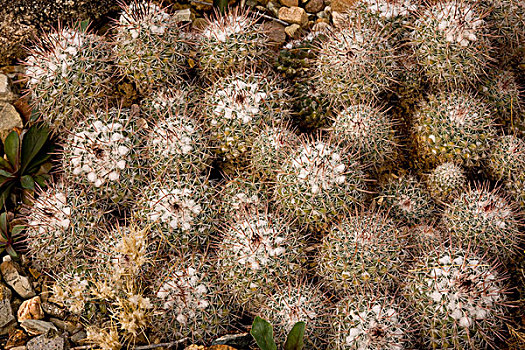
[[12, 276], [37, 327], [7, 317], [67, 326], [44, 342], [53, 310], [183, 15], [78, 337], [314, 6]]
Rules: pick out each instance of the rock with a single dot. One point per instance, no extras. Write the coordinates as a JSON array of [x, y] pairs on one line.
[[7, 318], [314, 6], [339, 19], [341, 5], [17, 338], [273, 8], [183, 15], [37, 327], [43, 342], [78, 337], [321, 27], [289, 3], [293, 30], [30, 310], [293, 15], [6, 95], [240, 341], [275, 32], [53, 310], [67, 326], [23, 347], [12, 276], [9, 119]]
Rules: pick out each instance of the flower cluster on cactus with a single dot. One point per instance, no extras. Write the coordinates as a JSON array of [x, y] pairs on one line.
[[319, 182], [451, 43], [458, 298], [68, 76], [257, 253], [150, 48]]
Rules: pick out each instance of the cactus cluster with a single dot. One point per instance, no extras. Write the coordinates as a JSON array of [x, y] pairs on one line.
[[336, 190]]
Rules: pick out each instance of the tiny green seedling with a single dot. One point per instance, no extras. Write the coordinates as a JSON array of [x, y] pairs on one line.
[[262, 332]]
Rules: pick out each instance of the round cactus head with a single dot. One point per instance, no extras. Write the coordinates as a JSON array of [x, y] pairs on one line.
[[101, 155], [506, 163], [319, 182], [232, 43], [482, 218], [67, 76], [407, 200], [451, 43], [150, 47], [363, 250], [294, 302], [458, 299], [257, 253], [188, 301], [446, 181], [355, 64], [452, 126], [367, 322], [368, 132]]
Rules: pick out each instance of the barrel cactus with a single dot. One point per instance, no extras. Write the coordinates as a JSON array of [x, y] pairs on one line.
[[451, 43], [446, 181], [365, 250], [457, 298], [368, 322], [482, 218], [318, 183], [234, 42], [257, 253], [150, 48], [452, 126], [407, 200], [68, 76], [101, 155], [368, 133]]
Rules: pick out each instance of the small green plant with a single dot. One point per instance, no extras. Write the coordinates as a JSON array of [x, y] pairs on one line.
[[21, 166], [262, 332], [10, 234]]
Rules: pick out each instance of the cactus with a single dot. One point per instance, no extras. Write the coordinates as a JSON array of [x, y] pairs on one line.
[[482, 218], [363, 250], [175, 142], [451, 43], [257, 253], [237, 107], [446, 181], [452, 127], [458, 300], [503, 94], [231, 43], [407, 199], [506, 163], [270, 149], [188, 301], [240, 196], [61, 225], [355, 64], [150, 48], [298, 301], [67, 76], [368, 133], [318, 183], [178, 208], [368, 322], [101, 155]]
